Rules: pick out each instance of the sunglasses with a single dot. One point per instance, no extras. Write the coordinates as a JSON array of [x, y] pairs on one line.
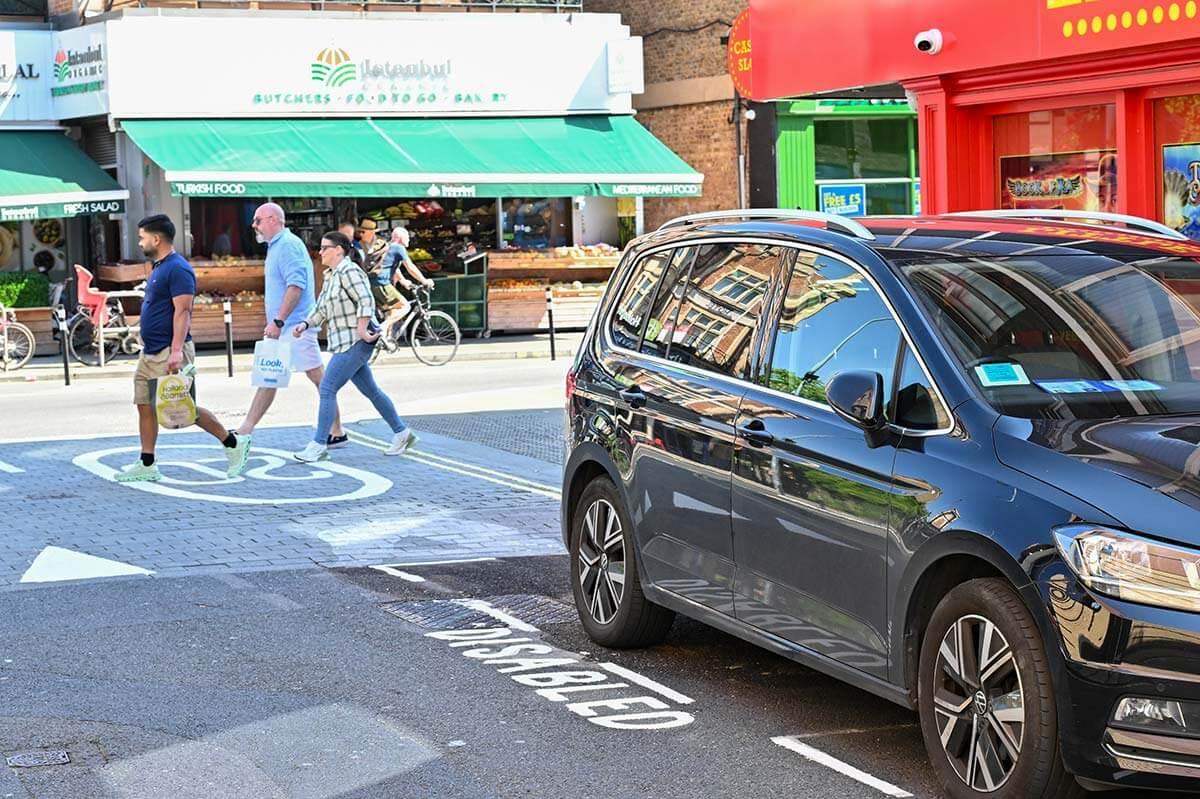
[[325, 247]]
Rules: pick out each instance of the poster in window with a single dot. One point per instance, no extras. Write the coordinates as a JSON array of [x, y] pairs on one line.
[[1181, 188], [1082, 181]]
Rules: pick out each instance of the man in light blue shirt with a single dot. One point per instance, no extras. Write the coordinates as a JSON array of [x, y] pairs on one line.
[[290, 298]]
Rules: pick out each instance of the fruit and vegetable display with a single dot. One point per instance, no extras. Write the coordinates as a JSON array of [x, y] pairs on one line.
[[48, 232], [216, 297]]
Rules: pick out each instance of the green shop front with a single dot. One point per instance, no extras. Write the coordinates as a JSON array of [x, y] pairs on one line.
[[497, 209], [854, 157]]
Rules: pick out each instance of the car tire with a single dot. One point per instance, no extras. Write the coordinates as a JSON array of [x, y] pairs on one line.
[[973, 703], [604, 574]]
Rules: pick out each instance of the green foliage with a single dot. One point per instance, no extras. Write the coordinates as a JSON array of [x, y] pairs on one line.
[[24, 290]]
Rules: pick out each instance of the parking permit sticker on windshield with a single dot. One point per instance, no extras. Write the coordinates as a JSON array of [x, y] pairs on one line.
[[1001, 374], [1073, 386], [1095, 386]]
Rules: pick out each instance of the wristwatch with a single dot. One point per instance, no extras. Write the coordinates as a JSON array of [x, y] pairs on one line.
[[278, 323]]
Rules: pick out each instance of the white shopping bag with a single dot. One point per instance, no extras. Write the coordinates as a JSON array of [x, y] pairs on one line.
[[272, 364]]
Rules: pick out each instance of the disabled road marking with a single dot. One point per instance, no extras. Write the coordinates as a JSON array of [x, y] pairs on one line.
[[464, 469], [791, 743], [55, 564]]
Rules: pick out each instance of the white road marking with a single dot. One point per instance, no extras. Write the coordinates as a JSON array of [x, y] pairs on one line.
[[466, 470], [831, 762], [437, 562], [646, 682], [370, 484], [412, 578], [10, 469], [55, 564], [510, 621]]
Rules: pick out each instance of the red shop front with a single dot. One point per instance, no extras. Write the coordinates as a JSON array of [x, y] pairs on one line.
[[1076, 104]]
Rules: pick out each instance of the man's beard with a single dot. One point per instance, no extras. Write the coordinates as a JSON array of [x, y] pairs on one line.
[[260, 238], [151, 254]]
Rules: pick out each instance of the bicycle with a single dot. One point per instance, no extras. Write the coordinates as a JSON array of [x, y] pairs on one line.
[[84, 327], [16, 341], [433, 335]]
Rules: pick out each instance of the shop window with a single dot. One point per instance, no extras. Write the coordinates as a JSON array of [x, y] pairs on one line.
[[1177, 136], [889, 198], [537, 224], [862, 148], [1061, 159], [719, 313], [441, 232]]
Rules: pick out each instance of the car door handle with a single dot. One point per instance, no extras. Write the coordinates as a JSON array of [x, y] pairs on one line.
[[755, 433], [634, 397]]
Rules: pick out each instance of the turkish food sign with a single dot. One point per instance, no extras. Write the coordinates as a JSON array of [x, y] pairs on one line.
[[802, 52]]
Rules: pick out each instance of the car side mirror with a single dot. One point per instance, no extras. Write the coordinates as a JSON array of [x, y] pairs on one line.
[[857, 396]]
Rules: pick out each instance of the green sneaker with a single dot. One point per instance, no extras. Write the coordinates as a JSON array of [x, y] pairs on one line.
[[140, 473], [238, 455]]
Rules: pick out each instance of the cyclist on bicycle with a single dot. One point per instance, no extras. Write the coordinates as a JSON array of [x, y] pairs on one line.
[[388, 276]]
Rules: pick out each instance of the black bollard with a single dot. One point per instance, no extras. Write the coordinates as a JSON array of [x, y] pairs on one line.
[[550, 316], [61, 313], [228, 307]]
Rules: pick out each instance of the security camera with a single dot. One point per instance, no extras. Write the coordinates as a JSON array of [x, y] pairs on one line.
[[929, 42]]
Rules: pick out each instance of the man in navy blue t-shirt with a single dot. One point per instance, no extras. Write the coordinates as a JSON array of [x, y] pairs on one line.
[[166, 323]]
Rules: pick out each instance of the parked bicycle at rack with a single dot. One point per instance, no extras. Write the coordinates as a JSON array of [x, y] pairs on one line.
[[16, 341], [433, 335], [99, 323]]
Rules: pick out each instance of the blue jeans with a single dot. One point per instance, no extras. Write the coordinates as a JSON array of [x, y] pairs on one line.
[[352, 366]]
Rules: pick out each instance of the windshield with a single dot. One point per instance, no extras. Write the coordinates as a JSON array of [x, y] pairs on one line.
[[1071, 337]]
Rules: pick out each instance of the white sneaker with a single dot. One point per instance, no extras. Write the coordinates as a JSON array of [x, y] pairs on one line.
[[402, 442], [312, 453]]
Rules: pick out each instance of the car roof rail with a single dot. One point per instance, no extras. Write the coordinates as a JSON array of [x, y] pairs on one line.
[[1131, 222], [841, 223]]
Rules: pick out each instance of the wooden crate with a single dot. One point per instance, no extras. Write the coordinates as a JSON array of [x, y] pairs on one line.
[[208, 322], [123, 273], [38, 320], [525, 309]]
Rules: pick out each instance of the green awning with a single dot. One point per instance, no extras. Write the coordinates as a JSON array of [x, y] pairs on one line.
[[609, 156], [43, 175]]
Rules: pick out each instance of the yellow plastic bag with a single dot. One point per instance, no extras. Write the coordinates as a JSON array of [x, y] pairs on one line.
[[174, 399]]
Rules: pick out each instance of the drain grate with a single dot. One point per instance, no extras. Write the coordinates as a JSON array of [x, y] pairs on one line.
[[535, 610], [440, 614], [448, 614], [47, 757]]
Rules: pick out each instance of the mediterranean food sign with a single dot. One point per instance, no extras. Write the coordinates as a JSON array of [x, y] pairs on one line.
[[410, 64], [977, 35]]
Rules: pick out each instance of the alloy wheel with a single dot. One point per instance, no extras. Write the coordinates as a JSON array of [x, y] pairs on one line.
[[602, 561], [979, 703]]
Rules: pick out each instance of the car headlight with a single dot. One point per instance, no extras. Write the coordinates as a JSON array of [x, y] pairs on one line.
[[1130, 567]]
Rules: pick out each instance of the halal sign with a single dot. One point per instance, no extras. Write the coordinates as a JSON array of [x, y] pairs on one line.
[[739, 57]]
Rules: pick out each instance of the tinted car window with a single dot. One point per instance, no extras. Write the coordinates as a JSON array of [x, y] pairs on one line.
[[660, 329], [720, 308], [833, 320], [631, 313], [1071, 336], [915, 406]]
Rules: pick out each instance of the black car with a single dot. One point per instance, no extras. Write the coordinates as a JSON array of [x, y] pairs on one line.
[[950, 460]]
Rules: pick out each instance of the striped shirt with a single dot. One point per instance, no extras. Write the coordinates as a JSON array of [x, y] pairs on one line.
[[345, 298]]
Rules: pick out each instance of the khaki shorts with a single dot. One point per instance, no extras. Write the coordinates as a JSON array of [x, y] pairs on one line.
[[152, 367], [386, 296]]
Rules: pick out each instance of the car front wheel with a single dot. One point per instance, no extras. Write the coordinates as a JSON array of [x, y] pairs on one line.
[[986, 699]]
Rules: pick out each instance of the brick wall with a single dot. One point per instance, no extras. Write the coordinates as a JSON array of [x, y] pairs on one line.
[[681, 44], [702, 136]]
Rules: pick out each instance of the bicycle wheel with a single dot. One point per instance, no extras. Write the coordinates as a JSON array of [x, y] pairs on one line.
[[16, 345], [83, 346], [435, 338]]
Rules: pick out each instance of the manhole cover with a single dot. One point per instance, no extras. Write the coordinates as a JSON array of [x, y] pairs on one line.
[[535, 610], [440, 614], [49, 757]]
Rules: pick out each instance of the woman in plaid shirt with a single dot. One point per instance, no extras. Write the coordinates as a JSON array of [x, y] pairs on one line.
[[348, 308]]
